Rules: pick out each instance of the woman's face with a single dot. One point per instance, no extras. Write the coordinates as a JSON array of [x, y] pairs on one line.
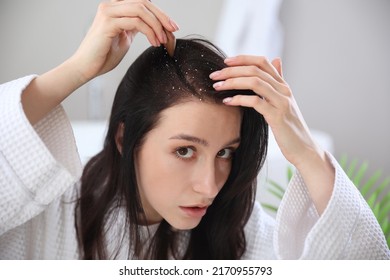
[[185, 161]]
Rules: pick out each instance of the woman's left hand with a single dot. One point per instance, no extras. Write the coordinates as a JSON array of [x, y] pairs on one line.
[[275, 101]]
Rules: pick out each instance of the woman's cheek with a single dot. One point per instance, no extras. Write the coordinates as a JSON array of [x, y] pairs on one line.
[[223, 171]]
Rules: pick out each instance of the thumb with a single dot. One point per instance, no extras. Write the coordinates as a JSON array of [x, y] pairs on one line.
[[277, 63]]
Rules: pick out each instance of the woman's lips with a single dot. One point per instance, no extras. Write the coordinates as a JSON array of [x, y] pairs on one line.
[[195, 212]]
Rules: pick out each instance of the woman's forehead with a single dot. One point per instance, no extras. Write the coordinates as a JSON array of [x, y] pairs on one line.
[[205, 119]]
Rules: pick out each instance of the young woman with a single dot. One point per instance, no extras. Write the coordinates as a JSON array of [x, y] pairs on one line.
[[176, 176]]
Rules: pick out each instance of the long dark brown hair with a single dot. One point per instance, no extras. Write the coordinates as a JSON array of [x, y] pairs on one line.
[[154, 82]]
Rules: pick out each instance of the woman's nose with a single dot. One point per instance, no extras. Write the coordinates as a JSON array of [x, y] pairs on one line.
[[206, 182]]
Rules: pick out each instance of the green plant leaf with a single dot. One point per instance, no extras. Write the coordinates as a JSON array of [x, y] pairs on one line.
[[380, 205], [383, 185], [351, 169], [343, 161], [270, 207], [386, 228], [290, 173], [276, 187], [370, 183], [375, 209], [276, 193], [360, 174], [371, 200], [384, 212]]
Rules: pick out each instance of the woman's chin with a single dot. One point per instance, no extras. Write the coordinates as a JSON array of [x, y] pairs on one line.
[[184, 225]]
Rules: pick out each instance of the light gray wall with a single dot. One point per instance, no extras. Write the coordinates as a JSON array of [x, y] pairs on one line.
[[38, 35], [336, 59]]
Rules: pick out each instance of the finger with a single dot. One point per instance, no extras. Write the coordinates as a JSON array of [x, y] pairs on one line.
[[277, 63], [124, 9], [257, 85], [259, 61], [251, 101], [171, 43], [246, 71], [168, 23], [139, 25]]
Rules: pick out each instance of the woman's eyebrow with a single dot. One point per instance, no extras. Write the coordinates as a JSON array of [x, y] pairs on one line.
[[200, 140], [191, 139]]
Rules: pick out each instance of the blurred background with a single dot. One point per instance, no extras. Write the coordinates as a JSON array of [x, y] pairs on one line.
[[335, 56]]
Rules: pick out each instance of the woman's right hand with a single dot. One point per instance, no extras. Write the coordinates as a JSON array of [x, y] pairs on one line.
[[106, 43], [113, 30]]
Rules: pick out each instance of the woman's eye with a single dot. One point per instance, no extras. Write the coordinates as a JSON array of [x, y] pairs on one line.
[[185, 152], [225, 153]]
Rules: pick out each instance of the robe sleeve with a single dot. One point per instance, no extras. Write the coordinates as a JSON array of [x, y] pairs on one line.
[[347, 229], [37, 163]]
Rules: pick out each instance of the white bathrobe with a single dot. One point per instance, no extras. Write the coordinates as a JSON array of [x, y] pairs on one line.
[[40, 170]]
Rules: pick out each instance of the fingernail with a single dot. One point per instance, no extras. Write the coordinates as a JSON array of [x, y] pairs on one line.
[[218, 84], [227, 99], [228, 59], [174, 24], [214, 74]]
